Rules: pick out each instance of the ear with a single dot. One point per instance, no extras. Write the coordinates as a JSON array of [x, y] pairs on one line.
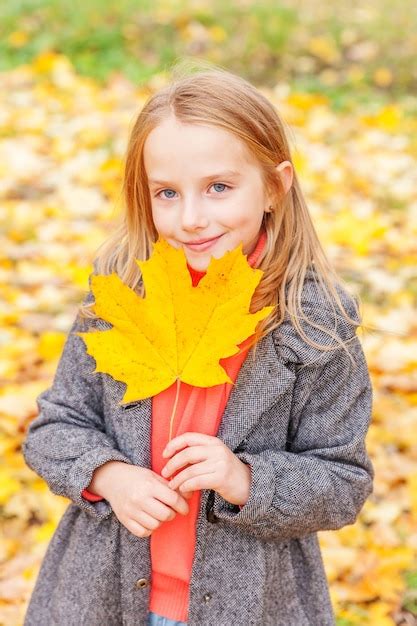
[[285, 172]]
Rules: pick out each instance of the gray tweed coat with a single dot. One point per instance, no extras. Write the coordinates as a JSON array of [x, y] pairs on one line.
[[297, 415]]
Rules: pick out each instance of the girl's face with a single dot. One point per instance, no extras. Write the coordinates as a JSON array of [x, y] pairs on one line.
[[203, 185]]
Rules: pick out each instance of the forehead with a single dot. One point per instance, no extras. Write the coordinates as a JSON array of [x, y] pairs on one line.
[[196, 148]]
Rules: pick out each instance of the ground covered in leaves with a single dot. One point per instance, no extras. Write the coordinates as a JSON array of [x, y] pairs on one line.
[[63, 138]]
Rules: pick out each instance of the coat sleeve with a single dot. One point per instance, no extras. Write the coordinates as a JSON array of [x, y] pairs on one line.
[[67, 441], [323, 480]]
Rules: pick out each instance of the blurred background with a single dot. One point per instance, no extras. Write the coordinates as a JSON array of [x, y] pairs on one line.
[[73, 76]]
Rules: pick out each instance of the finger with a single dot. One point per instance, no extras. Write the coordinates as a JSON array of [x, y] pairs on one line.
[[137, 529], [194, 470], [160, 511], [203, 481], [185, 457], [189, 439], [147, 521], [161, 479], [173, 499]]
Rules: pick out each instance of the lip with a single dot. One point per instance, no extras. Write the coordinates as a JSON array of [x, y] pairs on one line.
[[204, 245]]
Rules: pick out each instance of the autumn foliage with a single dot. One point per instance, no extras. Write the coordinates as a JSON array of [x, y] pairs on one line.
[[61, 153]]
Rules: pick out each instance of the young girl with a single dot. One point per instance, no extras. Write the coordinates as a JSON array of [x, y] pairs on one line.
[[217, 525]]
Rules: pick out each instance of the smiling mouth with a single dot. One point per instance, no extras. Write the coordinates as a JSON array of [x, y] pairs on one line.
[[198, 241], [202, 246]]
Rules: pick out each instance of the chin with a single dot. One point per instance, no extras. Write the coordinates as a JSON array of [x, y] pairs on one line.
[[199, 266]]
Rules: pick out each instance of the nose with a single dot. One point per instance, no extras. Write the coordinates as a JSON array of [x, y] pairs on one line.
[[193, 215]]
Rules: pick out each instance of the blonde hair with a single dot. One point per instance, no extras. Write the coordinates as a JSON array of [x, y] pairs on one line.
[[214, 96]]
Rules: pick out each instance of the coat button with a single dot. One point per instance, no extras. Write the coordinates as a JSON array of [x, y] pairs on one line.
[[212, 517], [142, 582], [207, 597]]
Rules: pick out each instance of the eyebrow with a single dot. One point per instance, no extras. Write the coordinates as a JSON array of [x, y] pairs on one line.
[[225, 174]]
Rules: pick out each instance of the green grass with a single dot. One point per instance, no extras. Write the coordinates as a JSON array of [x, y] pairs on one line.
[[267, 41], [410, 596]]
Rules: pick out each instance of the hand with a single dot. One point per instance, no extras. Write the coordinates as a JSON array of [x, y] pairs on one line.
[[212, 465], [139, 497]]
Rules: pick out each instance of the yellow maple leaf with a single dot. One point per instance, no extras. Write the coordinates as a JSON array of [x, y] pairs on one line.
[[177, 332]]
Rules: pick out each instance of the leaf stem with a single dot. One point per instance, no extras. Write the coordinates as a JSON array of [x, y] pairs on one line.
[[174, 409]]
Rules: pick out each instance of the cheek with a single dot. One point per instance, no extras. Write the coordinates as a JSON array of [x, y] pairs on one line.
[[160, 221], [239, 219], [165, 229], [241, 212]]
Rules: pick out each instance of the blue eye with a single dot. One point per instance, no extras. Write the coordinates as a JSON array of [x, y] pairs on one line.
[[221, 185], [171, 190], [164, 190]]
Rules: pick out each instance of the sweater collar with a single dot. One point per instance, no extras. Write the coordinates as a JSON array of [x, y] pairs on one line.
[[253, 257]]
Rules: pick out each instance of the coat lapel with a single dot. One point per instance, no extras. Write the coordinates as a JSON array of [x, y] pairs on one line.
[[259, 384]]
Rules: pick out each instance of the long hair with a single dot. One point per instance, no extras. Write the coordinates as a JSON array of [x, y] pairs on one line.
[[211, 95]]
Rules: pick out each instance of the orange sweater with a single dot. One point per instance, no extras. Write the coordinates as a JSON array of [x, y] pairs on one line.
[[198, 410]]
